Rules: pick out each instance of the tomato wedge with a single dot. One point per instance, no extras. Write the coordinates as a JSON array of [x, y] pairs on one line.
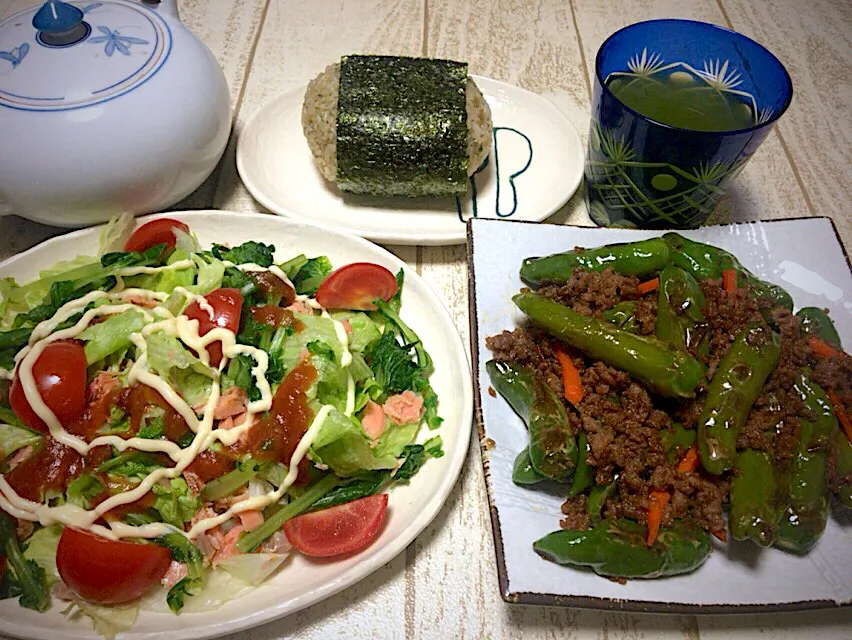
[[60, 377], [227, 307], [108, 571], [337, 530], [159, 231], [356, 286]]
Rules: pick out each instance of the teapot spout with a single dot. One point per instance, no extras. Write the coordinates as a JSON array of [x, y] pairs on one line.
[[166, 7]]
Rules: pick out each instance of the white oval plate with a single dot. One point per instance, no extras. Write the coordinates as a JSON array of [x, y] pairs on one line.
[[535, 166], [411, 508]]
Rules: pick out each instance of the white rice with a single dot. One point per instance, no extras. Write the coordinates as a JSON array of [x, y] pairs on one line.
[[319, 122]]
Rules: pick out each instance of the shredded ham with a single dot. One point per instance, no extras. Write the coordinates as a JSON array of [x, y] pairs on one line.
[[62, 591], [373, 420], [194, 482], [300, 307], [228, 545], [232, 403], [174, 574], [251, 519], [404, 408], [141, 301], [225, 503], [20, 456], [102, 384]]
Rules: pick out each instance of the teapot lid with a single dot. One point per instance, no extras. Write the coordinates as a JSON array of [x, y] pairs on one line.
[[69, 55]]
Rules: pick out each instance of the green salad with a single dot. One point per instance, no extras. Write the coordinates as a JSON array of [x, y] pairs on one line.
[[175, 420]]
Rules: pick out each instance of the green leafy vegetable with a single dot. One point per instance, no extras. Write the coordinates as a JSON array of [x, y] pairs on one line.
[[134, 465], [31, 584], [14, 437], [321, 349], [41, 549], [83, 490], [175, 502], [111, 335], [391, 364], [248, 252], [311, 275]]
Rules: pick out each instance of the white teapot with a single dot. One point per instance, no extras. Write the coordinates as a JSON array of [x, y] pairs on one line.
[[105, 107]]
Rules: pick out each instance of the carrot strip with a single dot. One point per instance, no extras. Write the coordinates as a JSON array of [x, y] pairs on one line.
[[822, 349], [690, 460], [840, 412], [572, 387], [720, 534], [648, 286], [657, 501], [729, 280]]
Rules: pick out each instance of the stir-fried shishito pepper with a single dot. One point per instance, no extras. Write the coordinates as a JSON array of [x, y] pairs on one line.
[[630, 259], [679, 308], [737, 383], [755, 498], [667, 370], [806, 494], [552, 448], [662, 447], [816, 323], [706, 261], [617, 548]]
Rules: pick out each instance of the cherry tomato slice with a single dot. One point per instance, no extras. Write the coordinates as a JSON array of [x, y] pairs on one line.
[[356, 286], [337, 530], [227, 307], [60, 377], [108, 571], [159, 231]]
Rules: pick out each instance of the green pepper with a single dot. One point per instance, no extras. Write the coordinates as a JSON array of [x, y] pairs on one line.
[[755, 504], [522, 470], [584, 474], [815, 322], [598, 496], [621, 315], [552, 449], [679, 308], [640, 258], [668, 371], [807, 494], [735, 386], [843, 453], [617, 548], [706, 261], [677, 439]]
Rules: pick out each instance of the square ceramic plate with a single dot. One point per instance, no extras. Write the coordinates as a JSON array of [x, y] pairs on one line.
[[806, 257]]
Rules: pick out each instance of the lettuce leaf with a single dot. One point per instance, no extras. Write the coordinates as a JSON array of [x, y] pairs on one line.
[[175, 502], [14, 437], [171, 359], [364, 331], [107, 621], [111, 335], [342, 445], [41, 549]]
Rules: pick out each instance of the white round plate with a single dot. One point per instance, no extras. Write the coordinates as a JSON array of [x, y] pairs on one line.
[[535, 166], [301, 582]]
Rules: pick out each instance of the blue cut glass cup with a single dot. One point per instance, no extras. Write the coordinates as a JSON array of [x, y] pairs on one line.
[[644, 173]]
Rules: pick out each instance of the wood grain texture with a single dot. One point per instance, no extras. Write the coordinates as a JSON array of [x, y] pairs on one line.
[[814, 41], [445, 584]]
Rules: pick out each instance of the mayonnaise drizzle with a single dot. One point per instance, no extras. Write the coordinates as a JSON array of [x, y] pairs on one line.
[[186, 330]]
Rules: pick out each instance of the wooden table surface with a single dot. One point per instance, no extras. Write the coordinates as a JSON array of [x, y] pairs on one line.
[[445, 584]]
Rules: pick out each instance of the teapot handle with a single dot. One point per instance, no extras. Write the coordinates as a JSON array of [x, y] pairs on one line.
[[166, 7]]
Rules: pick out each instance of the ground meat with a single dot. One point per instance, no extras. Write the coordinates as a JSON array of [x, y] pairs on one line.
[[725, 315], [576, 514], [623, 422], [773, 423], [528, 347], [645, 315], [590, 292]]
